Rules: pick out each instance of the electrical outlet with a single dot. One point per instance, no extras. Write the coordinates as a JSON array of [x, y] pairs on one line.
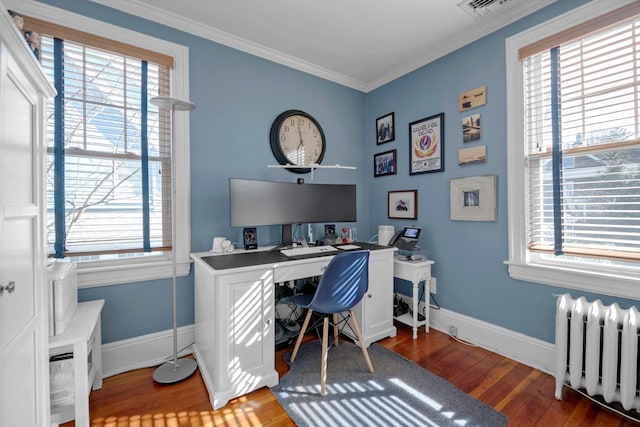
[[453, 331], [432, 286]]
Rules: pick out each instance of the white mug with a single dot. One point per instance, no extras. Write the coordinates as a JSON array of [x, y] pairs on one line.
[[217, 244]]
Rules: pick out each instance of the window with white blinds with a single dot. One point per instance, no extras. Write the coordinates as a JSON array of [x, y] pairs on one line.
[[109, 154], [582, 145]]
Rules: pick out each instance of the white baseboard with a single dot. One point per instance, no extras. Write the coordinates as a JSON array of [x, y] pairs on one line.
[[522, 348], [153, 349], [144, 351]]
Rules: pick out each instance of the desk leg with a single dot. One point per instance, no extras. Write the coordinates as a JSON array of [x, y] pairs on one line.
[[97, 356], [414, 300], [80, 354], [427, 301]]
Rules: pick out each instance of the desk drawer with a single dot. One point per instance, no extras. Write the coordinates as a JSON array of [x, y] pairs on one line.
[[301, 270]]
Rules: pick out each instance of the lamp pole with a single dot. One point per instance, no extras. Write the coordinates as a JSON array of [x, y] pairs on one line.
[[174, 370]]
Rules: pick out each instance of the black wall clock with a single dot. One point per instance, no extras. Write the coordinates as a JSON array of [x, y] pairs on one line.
[[297, 139]]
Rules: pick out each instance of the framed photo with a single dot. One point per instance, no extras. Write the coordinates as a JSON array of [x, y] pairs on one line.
[[403, 204], [385, 129], [471, 129], [426, 144], [473, 199], [384, 163]]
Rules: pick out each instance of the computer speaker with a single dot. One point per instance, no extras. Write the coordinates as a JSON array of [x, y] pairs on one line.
[[250, 237]]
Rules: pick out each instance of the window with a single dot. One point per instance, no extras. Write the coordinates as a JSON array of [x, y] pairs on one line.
[[574, 151], [109, 164]]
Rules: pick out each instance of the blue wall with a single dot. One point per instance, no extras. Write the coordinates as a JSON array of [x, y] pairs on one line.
[[238, 96]]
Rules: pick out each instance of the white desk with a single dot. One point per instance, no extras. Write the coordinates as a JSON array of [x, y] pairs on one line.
[[415, 272], [83, 336], [235, 313]]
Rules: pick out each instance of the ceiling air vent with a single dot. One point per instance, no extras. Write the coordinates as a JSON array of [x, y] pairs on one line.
[[479, 8]]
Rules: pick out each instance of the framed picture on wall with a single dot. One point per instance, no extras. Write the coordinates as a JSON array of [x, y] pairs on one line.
[[473, 199], [384, 163], [426, 144], [403, 204], [471, 128], [385, 128]]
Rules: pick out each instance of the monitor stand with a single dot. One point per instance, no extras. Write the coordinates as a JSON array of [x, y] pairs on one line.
[[287, 235]]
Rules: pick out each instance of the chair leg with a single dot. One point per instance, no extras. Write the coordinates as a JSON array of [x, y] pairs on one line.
[[365, 353], [336, 331], [305, 324], [323, 370]]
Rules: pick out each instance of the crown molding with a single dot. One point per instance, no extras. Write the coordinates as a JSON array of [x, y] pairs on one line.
[[160, 16], [482, 29], [146, 11]]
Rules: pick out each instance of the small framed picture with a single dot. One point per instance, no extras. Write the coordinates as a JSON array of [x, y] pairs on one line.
[[384, 163], [385, 129], [403, 204], [426, 144], [468, 156], [473, 199], [471, 128], [472, 98]]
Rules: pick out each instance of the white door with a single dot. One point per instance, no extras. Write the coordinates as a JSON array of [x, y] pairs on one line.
[[23, 342]]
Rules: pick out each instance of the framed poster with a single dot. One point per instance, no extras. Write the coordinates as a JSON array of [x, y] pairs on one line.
[[384, 163], [403, 204], [385, 129], [426, 144]]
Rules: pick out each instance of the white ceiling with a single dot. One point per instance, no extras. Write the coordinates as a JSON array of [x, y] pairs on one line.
[[361, 44]]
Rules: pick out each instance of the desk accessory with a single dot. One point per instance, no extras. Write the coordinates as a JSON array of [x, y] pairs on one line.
[[250, 238], [174, 370]]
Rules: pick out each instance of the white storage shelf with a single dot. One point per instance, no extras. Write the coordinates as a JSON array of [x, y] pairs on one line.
[[83, 338]]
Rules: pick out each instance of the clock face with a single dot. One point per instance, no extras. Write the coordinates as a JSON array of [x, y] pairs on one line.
[[297, 139]]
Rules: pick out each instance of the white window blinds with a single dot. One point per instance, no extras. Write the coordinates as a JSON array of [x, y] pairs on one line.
[[109, 170], [582, 104]]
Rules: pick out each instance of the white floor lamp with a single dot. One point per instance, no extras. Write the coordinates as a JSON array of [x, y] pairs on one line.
[[174, 370]]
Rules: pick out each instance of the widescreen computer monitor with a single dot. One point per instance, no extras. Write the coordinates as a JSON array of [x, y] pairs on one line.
[[255, 203]]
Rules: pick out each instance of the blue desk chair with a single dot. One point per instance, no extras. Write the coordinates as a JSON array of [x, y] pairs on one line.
[[343, 284]]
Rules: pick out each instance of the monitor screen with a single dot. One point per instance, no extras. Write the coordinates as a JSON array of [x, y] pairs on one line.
[[254, 203]]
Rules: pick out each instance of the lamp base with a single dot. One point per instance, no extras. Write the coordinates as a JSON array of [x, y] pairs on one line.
[[169, 373]]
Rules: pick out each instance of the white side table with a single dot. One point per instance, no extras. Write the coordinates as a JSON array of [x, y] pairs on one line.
[[415, 272], [84, 338]]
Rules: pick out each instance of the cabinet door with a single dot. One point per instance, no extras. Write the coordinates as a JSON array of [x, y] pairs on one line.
[[378, 309], [247, 329], [23, 382]]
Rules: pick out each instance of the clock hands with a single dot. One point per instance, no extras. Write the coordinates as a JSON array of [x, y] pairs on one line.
[[300, 150]]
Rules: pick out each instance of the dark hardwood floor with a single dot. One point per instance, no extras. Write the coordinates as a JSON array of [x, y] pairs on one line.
[[523, 394]]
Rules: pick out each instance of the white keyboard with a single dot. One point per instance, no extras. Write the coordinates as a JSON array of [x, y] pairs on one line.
[[311, 250]]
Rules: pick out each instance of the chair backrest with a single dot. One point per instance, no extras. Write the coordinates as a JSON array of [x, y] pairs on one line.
[[344, 282]]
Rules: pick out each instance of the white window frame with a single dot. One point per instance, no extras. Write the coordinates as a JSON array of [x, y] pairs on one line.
[[103, 273], [602, 279]]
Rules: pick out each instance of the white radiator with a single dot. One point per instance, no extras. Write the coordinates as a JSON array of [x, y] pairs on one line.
[[597, 350]]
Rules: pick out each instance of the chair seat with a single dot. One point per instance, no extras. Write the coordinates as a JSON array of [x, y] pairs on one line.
[[302, 300]]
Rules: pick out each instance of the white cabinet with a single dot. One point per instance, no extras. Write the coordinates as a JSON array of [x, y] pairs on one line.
[[24, 397], [234, 331]]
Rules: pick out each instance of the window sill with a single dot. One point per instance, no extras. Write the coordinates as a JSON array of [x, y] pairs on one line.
[[116, 274], [606, 282]]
